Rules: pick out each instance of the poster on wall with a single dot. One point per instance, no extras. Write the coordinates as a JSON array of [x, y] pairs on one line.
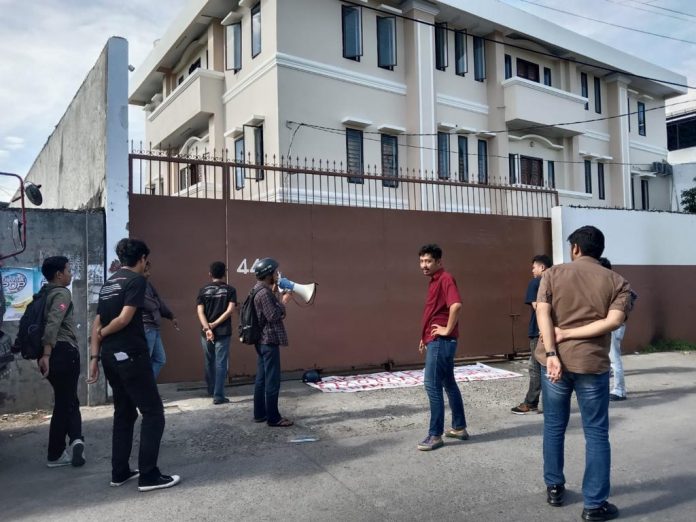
[[19, 286]]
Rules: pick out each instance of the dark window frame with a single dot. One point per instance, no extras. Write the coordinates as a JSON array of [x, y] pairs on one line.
[[256, 10], [195, 65], [527, 70], [588, 177], [527, 175], [239, 172], [551, 173], [237, 52], [461, 49], [441, 46], [389, 65], [355, 136], [359, 40], [597, 95], [443, 155], [483, 161], [645, 194], [584, 90], [641, 119], [479, 59], [547, 77], [508, 66], [259, 156], [628, 112], [512, 168], [601, 191], [463, 157], [390, 148]]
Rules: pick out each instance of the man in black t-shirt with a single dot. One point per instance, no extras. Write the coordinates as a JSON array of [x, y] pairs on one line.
[[119, 334], [531, 400], [215, 303]]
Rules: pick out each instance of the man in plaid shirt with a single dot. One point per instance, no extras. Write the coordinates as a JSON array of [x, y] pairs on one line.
[[270, 310]]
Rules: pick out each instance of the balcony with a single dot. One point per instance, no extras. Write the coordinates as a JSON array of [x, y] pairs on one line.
[[186, 110], [529, 103]]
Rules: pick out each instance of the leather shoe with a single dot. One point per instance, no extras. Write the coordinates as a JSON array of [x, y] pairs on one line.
[[613, 397], [555, 495], [606, 511]]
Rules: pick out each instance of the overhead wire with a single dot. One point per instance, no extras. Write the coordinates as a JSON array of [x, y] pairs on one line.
[[635, 7]]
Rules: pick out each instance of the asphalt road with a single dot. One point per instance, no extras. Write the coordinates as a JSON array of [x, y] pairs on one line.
[[365, 466]]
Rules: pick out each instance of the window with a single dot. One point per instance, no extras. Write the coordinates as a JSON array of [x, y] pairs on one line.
[[188, 176], [547, 76], [256, 30], [463, 150], [641, 118], [180, 80], [195, 65], [508, 66], [681, 134], [527, 70], [441, 46], [259, 156], [645, 194], [531, 171], [233, 47], [390, 160], [352, 32], [386, 42], [512, 166], [597, 96], [354, 155], [551, 173], [588, 176], [443, 152], [600, 180], [583, 89], [628, 112], [479, 59], [483, 161], [239, 173], [461, 64]]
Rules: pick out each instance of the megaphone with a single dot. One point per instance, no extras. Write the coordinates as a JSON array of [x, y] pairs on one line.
[[304, 292]]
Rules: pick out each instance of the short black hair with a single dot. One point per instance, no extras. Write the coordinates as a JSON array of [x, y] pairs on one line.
[[130, 251], [605, 262], [52, 265], [431, 249], [544, 260], [589, 239], [217, 269]]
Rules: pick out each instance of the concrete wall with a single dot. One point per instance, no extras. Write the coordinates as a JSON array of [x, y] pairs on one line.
[[78, 235], [684, 179]]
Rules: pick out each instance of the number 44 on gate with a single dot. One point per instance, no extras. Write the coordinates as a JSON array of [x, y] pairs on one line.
[[243, 267]]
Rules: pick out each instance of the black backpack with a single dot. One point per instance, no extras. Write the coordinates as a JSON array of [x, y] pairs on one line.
[[249, 325], [31, 327]]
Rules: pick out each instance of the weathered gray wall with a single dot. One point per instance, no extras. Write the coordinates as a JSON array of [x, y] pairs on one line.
[[78, 235]]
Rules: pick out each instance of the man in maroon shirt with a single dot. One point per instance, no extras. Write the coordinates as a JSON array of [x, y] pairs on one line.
[[439, 338]]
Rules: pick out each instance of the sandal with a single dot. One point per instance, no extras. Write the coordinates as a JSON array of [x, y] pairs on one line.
[[457, 434], [282, 423]]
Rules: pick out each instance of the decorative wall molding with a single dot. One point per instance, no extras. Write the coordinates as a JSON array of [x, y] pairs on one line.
[[461, 103], [648, 148], [246, 82], [516, 80], [543, 140], [595, 135]]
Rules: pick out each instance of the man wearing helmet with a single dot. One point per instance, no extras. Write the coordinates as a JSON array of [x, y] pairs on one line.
[[270, 310]]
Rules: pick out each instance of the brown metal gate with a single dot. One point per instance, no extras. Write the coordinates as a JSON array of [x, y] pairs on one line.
[[371, 292]]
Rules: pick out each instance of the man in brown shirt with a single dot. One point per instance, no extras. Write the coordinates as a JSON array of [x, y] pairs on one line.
[[584, 302]]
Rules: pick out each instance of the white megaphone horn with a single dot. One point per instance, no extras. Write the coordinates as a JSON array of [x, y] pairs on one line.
[[305, 292]]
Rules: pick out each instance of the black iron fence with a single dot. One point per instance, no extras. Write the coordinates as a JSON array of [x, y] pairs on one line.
[[303, 181]]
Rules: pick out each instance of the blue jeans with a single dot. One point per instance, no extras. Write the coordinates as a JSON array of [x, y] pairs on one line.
[[156, 349], [592, 392], [616, 362], [439, 373], [217, 354], [267, 383]]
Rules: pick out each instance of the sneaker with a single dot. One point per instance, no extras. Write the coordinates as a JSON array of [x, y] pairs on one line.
[[523, 409], [120, 482], [64, 460], [606, 511], [78, 453], [555, 495], [613, 397], [224, 400], [461, 434], [161, 482], [430, 443]]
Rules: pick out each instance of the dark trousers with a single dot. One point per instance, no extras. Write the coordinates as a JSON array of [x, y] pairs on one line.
[[133, 385], [63, 373], [267, 383]]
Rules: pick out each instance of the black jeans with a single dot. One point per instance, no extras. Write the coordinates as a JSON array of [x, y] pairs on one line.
[[133, 385], [63, 373], [267, 383]]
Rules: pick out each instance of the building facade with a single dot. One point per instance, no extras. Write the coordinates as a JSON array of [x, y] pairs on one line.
[[681, 142], [476, 92]]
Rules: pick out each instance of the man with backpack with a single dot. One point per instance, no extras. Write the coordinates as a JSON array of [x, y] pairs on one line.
[[59, 363], [270, 312], [215, 304]]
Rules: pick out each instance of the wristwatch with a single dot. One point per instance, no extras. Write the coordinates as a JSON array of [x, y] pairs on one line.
[[551, 354], [97, 357]]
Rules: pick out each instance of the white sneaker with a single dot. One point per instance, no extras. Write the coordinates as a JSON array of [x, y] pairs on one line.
[[64, 460], [78, 453]]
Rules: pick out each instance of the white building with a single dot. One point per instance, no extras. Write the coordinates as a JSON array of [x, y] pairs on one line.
[[681, 142], [471, 91]]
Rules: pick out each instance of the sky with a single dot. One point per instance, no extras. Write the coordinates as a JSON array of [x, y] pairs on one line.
[[49, 46]]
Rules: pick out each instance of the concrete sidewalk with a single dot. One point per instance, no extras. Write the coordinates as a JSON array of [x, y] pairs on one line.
[[365, 465]]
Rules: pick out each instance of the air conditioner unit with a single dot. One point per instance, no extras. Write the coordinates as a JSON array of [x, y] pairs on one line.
[[662, 168]]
